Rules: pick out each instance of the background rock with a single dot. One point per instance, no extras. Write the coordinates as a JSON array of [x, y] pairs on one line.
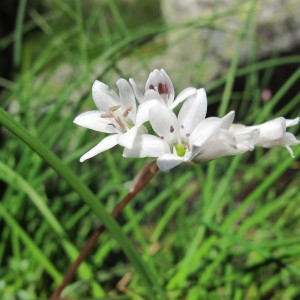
[[206, 52]]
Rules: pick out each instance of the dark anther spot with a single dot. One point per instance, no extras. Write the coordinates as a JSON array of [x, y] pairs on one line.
[[171, 129], [163, 88], [188, 134], [151, 87]]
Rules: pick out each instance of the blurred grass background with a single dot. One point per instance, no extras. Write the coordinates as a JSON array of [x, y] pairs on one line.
[[228, 229]]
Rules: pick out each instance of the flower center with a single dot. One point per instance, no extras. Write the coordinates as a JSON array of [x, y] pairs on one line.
[[120, 120], [178, 142], [180, 149]]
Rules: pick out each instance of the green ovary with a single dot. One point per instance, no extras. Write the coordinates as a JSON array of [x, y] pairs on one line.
[[180, 149]]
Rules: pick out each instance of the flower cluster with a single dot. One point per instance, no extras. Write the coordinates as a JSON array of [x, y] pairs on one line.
[[174, 138]]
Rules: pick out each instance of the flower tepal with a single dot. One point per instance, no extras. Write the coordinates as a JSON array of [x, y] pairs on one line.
[[173, 138], [116, 115], [272, 133], [189, 136], [160, 87]]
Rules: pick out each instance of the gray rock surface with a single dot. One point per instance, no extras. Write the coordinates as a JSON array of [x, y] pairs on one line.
[[204, 49]]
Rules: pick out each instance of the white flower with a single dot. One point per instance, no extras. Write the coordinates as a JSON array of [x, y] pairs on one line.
[[116, 115], [160, 87], [272, 133], [189, 137]]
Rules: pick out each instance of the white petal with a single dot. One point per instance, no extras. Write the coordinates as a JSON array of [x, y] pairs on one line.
[[293, 122], [139, 95], [147, 145], [164, 122], [107, 143], [104, 98], [168, 161], [247, 140], [92, 120], [127, 139], [126, 95], [208, 127], [160, 76], [142, 115], [227, 120], [272, 133], [289, 139], [239, 128], [204, 130], [223, 143], [153, 95], [271, 130], [182, 96], [166, 78], [193, 111]]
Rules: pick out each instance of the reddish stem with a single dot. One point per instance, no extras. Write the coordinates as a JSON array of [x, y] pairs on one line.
[[139, 182]]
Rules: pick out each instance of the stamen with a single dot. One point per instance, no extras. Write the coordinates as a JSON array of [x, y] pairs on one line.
[[120, 123], [182, 127], [151, 87], [108, 115], [162, 137], [114, 108], [187, 134], [113, 125], [126, 112], [171, 129], [163, 88]]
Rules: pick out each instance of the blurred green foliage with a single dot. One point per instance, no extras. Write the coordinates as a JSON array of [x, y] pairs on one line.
[[228, 229]]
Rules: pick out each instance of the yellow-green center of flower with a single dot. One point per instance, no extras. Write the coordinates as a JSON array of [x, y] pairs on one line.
[[180, 149]]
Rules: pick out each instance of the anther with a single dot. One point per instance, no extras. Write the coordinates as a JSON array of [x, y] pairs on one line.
[[120, 123], [163, 88], [126, 112], [187, 134], [108, 115], [171, 129], [151, 87], [114, 108]]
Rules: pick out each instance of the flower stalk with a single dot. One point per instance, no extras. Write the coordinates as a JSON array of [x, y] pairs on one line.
[[139, 182]]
